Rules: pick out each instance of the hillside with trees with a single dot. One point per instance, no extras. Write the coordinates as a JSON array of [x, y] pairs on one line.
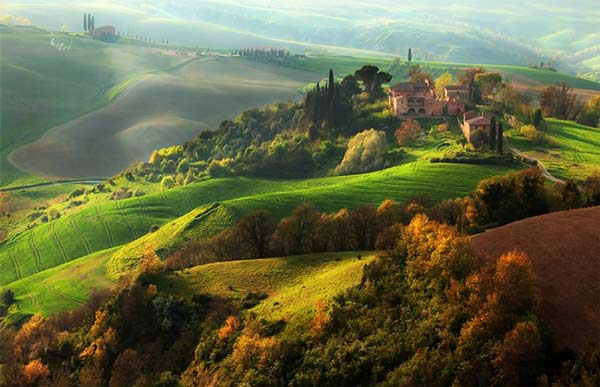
[[323, 241]]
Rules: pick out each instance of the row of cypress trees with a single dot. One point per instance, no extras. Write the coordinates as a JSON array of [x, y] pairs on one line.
[[88, 22], [324, 104]]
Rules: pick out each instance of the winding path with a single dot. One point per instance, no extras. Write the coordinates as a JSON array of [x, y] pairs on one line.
[[91, 181], [539, 164]]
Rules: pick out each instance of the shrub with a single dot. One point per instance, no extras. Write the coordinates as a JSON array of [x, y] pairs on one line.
[[365, 152], [531, 133], [166, 183], [479, 138]]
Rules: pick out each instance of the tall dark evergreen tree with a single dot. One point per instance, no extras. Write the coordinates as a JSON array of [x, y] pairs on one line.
[[409, 55], [538, 117], [317, 112], [492, 134], [500, 138], [331, 83], [89, 22], [93, 23], [85, 24]]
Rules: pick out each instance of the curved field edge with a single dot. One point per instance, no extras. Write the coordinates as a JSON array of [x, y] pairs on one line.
[[294, 285], [563, 248], [63, 287], [111, 224], [45, 85], [437, 181]]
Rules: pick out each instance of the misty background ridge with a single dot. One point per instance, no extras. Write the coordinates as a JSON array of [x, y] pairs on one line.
[[513, 32]]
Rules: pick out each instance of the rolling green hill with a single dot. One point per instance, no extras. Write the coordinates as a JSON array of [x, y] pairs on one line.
[[118, 222], [569, 150], [63, 287], [50, 77], [160, 109], [294, 284]]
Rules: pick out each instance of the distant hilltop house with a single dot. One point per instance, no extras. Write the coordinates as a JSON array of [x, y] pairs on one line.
[[104, 32], [418, 99]]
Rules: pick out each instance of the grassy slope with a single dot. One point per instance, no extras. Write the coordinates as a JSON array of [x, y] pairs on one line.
[[294, 284], [21, 203], [115, 223], [571, 151], [161, 109], [327, 194], [43, 86], [63, 287]]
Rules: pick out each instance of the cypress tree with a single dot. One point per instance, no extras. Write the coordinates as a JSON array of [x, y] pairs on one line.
[[409, 55], [331, 82], [492, 134], [500, 138], [317, 111], [93, 23], [85, 27], [89, 24]]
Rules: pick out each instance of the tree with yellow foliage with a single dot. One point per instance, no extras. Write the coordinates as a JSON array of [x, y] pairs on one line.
[[441, 82]]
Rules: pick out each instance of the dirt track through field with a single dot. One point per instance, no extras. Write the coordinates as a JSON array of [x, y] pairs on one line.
[[159, 110], [564, 248]]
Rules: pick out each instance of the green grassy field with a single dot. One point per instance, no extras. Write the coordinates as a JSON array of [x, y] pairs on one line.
[[118, 222], [50, 77], [569, 151], [63, 287], [294, 284]]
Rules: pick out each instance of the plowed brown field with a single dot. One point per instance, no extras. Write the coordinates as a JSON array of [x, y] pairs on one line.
[[564, 248]]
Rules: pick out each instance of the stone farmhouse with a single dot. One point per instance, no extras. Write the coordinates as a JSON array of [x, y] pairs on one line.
[[473, 121], [104, 32], [419, 99]]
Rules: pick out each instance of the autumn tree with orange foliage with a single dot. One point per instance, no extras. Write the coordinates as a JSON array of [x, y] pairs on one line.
[[409, 131], [232, 324], [36, 373]]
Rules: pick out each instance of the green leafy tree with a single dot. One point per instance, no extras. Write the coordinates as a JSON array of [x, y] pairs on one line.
[[372, 79], [488, 83], [167, 182]]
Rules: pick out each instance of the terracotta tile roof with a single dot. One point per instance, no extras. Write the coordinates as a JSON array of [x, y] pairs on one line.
[[479, 121], [457, 88], [411, 86]]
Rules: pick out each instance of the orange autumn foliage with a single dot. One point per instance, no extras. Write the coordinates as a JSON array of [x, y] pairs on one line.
[[232, 324], [35, 372], [319, 322], [253, 351]]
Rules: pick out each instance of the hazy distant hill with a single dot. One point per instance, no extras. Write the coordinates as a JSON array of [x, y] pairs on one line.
[[468, 31]]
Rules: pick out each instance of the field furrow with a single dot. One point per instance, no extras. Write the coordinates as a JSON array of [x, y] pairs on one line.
[[127, 221], [84, 243], [15, 263], [59, 243], [36, 253], [104, 223]]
